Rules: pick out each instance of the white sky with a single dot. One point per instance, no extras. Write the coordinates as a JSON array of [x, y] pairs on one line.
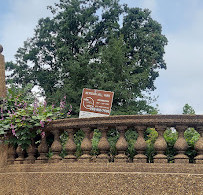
[[182, 24]]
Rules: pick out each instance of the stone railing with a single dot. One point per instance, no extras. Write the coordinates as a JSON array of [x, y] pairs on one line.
[[121, 123]]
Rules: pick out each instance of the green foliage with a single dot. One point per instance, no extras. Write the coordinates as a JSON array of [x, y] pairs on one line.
[[191, 136], [131, 137], [95, 141], [187, 109], [22, 121], [78, 137], [170, 136], [93, 44], [112, 136], [150, 137]]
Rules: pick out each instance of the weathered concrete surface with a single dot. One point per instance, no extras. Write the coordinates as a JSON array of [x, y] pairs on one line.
[[104, 178], [2, 75], [100, 183]]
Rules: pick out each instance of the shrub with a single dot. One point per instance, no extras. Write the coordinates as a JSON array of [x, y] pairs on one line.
[[21, 120]]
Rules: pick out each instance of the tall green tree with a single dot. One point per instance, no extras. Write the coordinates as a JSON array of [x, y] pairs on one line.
[[98, 44]]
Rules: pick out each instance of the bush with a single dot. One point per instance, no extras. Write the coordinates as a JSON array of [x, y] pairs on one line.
[[22, 120]]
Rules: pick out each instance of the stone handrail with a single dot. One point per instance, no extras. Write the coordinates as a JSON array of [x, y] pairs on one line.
[[121, 123]]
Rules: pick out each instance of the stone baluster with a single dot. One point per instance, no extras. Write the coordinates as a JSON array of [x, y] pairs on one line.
[[31, 152], [11, 155], [103, 146], [70, 147], [181, 146], [56, 147], [160, 146], [86, 147], [121, 145], [20, 154], [199, 146], [43, 150], [140, 146]]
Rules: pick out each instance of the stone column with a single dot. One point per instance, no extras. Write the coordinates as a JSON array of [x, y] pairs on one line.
[[181, 146], [140, 146], [121, 146], [86, 147], [31, 153], [160, 146], [2, 75], [11, 155], [103, 146], [42, 150], [20, 154], [56, 147], [70, 147]]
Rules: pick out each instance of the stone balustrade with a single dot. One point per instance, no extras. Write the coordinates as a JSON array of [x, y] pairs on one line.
[[138, 123]]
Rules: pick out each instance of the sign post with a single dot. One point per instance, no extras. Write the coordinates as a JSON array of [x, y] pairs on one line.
[[95, 103]]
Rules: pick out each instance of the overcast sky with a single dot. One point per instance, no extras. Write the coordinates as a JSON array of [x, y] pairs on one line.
[[182, 23]]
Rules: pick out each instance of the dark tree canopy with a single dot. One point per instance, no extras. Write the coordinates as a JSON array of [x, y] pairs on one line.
[[97, 44]]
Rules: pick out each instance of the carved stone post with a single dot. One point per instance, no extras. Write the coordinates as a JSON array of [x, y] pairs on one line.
[[70, 147], [199, 146], [2, 74], [43, 150], [31, 152], [20, 154], [103, 146], [121, 145], [86, 147], [181, 146], [11, 155], [56, 147], [160, 146], [140, 146]]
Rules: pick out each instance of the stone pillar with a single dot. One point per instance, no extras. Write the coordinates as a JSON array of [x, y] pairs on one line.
[[181, 146], [121, 145], [103, 146], [20, 154], [199, 146], [56, 147], [4, 149], [86, 147], [160, 146], [31, 153], [70, 147], [140, 146], [2, 75], [11, 155], [42, 150]]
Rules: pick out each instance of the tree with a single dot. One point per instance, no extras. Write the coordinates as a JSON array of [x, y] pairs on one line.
[[187, 109], [98, 44]]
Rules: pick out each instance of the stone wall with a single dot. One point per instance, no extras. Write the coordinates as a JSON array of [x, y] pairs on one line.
[[35, 173], [101, 178]]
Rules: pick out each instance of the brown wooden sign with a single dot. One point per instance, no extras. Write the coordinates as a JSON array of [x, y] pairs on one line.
[[95, 103]]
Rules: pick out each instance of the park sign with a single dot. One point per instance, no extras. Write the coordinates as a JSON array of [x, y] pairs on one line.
[[95, 103]]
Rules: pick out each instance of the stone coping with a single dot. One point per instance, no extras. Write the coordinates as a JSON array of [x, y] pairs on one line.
[[106, 167], [128, 120]]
